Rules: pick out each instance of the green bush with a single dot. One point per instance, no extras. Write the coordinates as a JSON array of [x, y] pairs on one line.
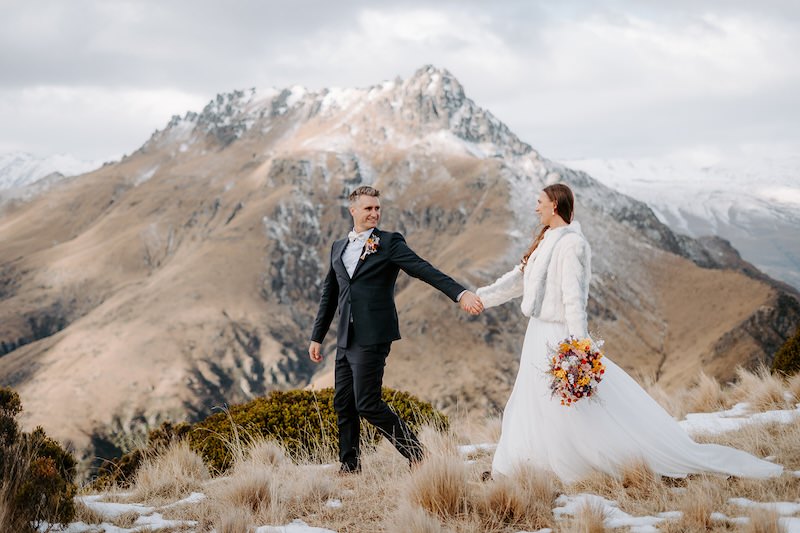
[[37, 484], [303, 422], [787, 358]]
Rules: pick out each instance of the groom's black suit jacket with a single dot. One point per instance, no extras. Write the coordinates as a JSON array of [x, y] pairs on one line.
[[366, 301]]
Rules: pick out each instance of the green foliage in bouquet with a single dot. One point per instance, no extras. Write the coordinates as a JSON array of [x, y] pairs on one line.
[[302, 421], [787, 358], [37, 473]]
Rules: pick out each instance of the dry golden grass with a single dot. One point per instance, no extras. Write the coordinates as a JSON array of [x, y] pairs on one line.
[[412, 519], [87, 515], [523, 500], [639, 481], [234, 520], [444, 493], [763, 521], [15, 469], [476, 430], [793, 387], [126, 520], [265, 453], [169, 475], [439, 486], [590, 519], [698, 502], [706, 396], [762, 390], [254, 491]]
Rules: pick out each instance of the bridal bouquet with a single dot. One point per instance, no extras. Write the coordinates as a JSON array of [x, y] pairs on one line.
[[576, 368]]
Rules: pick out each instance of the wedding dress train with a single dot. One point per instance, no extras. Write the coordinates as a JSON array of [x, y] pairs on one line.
[[621, 424]]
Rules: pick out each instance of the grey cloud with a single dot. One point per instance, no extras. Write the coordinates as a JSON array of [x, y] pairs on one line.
[[202, 47]]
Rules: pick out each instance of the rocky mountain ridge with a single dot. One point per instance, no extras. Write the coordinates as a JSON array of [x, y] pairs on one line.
[[186, 275], [752, 201]]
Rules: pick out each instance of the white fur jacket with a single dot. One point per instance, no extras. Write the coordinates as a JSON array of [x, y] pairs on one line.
[[554, 285]]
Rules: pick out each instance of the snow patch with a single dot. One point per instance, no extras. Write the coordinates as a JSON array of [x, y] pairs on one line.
[[614, 517], [735, 418], [145, 176], [298, 526]]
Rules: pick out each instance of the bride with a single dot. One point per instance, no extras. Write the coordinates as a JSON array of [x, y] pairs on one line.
[[622, 423]]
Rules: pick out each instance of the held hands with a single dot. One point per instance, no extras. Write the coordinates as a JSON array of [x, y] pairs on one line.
[[471, 303], [315, 351]]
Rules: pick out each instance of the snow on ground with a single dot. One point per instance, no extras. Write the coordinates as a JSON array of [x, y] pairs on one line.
[[566, 505], [735, 418]]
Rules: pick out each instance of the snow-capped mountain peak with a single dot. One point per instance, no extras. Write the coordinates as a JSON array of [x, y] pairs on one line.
[[20, 169]]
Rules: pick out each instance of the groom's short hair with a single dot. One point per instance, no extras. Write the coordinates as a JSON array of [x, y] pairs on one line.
[[364, 190]]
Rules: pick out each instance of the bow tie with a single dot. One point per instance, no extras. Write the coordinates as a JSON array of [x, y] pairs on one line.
[[353, 236]]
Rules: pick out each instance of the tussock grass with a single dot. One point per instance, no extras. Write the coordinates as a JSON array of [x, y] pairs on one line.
[[763, 521], [590, 519], [234, 520], [169, 475], [639, 481], [524, 500], [255, 491], [87, 515], [706, 396], [439, 486], [793, 387], [16, 467], [761, 389], [263, 453], [267, 486], [126, 520], [698, 502], [411, 519]]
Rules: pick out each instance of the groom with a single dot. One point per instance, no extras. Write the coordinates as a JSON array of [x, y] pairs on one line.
[[360, 282]]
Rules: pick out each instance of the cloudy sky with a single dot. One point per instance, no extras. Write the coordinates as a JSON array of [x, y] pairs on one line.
[[575, 79]]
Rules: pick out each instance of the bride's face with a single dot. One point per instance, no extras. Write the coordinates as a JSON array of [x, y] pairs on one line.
[[545, 208]]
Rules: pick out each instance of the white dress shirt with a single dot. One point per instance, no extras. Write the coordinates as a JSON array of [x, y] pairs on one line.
[[353, 250]]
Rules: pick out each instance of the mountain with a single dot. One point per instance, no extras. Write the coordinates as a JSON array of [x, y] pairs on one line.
[[187, 275], [19, 169], [753, 202]]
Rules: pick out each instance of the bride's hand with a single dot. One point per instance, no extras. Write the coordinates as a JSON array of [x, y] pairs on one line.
[[471, 303]]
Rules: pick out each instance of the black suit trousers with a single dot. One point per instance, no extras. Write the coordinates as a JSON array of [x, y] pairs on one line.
[[359, 378]]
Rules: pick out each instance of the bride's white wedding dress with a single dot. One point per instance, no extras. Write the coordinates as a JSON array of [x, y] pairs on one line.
[[622, 423]]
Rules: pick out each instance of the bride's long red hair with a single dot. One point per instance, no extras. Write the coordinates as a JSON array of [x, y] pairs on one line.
[[562, 196]]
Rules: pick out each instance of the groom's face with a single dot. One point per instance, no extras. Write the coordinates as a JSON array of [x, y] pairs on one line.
[[366, 212]]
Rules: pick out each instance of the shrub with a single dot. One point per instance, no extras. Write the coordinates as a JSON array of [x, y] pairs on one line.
[[10, 407], [37, 474], [303, 422], [787, 358]]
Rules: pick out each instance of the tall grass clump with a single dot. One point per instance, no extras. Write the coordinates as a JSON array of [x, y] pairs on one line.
[[410, 519], [761, 389], [763, 521], [706, 396], [439, 486], [523, 500], [590, 518], [170, 474]]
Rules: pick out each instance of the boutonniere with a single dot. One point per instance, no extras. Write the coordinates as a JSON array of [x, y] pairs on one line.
[[371, 246]]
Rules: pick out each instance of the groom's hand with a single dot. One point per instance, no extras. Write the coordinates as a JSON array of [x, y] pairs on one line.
[[471, 303], [315, 351]]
